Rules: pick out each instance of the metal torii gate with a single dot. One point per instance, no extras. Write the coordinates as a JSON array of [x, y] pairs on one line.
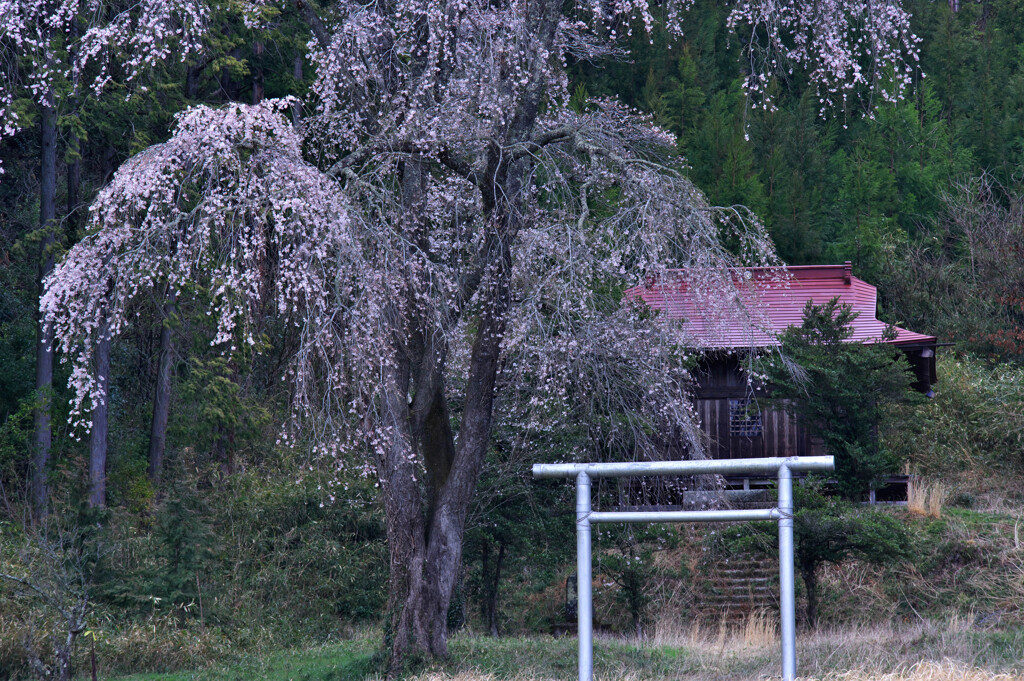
[[783, 468]]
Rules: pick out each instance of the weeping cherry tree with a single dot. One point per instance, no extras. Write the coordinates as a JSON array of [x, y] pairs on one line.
[[449, 239]]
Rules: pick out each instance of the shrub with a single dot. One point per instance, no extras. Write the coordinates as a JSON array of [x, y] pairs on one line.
[[973, 428], [829, 530], [842, 391]]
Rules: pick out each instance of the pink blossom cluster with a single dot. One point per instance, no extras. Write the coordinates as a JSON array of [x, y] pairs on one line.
[[227, 203], [428, 71], [849, 49], [50, 45]]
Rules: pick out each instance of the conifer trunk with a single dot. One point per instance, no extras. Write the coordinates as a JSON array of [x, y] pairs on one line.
[[258, 87], [492, 581], [44, 348], [74, 173], [298, 76], [100, 422], [162, 396], [192, 81], [811, 585]]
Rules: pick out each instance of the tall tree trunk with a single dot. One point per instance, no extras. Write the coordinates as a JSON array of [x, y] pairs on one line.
[[44, 348], [225, 445], [410, 593], [447, 522], [426, 556], [74, 167], [403, 505], [257, 72], [296, 104], [74, 172], [492, 582], [108, 163], [162, 396], [192, 81], [425, 518], [224, 450], [485, 577], [98, 436], [229, 87]]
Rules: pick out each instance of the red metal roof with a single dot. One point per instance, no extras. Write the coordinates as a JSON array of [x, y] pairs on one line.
[[767, 301]]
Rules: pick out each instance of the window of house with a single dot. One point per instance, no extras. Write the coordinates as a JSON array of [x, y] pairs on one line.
[[744, 418]]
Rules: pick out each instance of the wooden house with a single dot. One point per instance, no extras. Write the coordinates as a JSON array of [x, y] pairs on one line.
[[736, 419]]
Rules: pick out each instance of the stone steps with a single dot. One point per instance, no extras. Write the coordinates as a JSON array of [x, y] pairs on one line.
[[731, 589]]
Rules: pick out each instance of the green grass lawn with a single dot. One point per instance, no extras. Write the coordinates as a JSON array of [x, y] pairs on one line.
[[543, 658], [344, 661], [356, 660]]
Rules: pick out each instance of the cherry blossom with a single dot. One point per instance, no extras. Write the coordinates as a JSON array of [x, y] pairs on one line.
[[225, 201], [50, 45], [849, 49]]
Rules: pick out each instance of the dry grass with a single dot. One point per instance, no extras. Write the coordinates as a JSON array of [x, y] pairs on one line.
[[936, 497], [917, 496], [140, 646], [760, 629], [461, 676], [919, 652], [953, 651], [525, 676], [945, 670], [479, 676], [926, 498]]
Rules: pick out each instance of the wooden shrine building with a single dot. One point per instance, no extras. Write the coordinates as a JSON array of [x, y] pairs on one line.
[[737, 420]]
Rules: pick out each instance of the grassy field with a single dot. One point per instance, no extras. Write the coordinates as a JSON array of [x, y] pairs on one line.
[[922, 652]]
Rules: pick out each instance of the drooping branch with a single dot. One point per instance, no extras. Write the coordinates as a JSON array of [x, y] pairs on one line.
[[851, 50], [76, 45], [210, 205]]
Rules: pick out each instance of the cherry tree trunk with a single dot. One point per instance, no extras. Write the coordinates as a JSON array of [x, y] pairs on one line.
[[44, 350], [425, 527], [426, 519], [425, 547]]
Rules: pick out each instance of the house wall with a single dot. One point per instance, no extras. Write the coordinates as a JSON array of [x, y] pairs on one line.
[[731, 431]]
